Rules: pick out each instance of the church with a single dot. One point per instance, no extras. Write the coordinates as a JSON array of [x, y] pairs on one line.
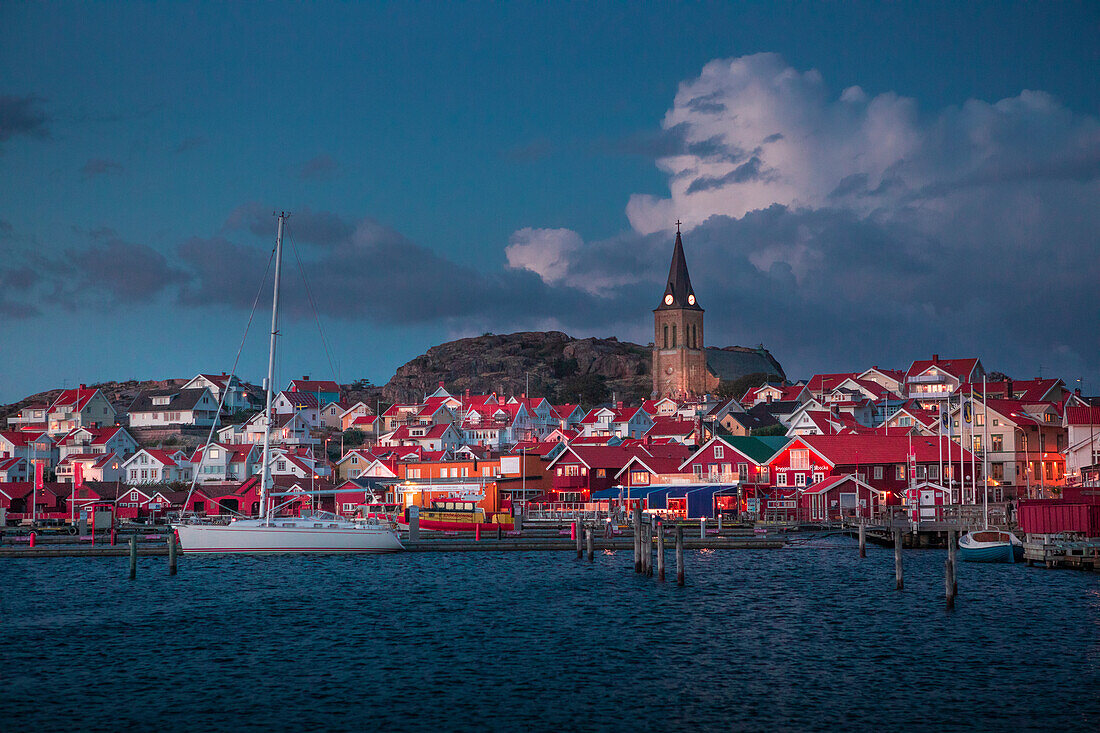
[[683, 368]]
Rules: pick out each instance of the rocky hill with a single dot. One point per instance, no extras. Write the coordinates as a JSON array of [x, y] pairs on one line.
[[554, 364]]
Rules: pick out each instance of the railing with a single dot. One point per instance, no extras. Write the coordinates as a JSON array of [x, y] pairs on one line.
[[564, 510]]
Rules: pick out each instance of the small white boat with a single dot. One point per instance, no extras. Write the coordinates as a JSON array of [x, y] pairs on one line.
[[990, 545], [320, 532]]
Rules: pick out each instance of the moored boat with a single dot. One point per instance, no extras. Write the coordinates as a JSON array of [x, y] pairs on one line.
[[990, 545], [459, 515], [320, 532]]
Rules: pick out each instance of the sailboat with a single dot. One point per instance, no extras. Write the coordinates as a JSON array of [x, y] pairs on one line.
[[317, 532], [987, 545]]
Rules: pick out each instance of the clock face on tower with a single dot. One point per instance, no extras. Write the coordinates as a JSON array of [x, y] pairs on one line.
[[668, 299], [691, 299]]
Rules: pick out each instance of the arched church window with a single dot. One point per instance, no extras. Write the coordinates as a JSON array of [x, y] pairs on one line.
[[666, 335]]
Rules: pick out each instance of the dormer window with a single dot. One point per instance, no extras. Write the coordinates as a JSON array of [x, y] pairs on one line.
[[162, 400]]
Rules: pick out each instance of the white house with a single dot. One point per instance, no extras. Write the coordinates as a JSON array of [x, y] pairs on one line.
[[93, 467], [149, 466], [305, 404], [619, 422], [115, 440], [174, 408], [1083, 446], [221, 462], [80, 407], [237, 399]]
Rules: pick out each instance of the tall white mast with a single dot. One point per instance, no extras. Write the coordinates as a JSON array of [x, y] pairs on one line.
[[265, 474], [985, 451]]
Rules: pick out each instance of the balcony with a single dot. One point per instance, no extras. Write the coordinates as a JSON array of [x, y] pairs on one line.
[[927, 379]]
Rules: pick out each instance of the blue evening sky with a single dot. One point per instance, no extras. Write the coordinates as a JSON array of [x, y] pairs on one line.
[[451, 125]]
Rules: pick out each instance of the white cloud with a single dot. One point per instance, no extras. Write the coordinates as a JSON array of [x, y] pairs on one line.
[[545, 252], [771, 134]]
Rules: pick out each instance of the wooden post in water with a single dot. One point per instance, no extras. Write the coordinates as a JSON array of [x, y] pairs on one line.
[[862, 539], [580, 539], [679, 555], [949, 572], [953, 553], [660, 551], [133, 556], [171, 551], [414, 526], [588, 538], [647, 550], [500, 531], [702, 528], [898, 576], [637, 541]]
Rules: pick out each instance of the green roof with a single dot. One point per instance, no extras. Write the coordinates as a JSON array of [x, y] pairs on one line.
[[758, 449]]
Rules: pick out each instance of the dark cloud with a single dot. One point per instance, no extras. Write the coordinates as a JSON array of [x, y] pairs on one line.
[[669, 142], [111, 271], [320, 168], [190, 143], [773, 138], [322, 228], [22, 116], [99, 167], [707, 104], [748, 171]]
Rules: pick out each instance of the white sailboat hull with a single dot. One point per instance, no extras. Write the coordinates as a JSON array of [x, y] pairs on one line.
[[254, 537]]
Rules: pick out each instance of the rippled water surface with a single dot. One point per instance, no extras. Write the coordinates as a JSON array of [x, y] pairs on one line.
[[808, 638]]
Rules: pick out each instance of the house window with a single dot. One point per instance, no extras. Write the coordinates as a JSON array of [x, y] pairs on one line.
[[878, 473], [934, 472], [997, 442], [280, 466], [215, 453], [800, 459], [349, 507], [899, 472], [742, 472], [133, 496], [719, 451], [697, 469], [781, 479], [996, 422], [818, 477], [977, 444], [800, 479], [639, 478], [763, 477], [144, 473]]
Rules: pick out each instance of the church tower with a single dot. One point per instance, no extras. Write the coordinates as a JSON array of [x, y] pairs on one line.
[[679, 359]]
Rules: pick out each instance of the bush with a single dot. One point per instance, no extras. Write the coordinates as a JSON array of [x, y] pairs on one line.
[[738, 387], [354, 437], [777, 429]]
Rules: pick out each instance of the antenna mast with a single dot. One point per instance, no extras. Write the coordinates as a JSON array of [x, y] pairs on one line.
[[265, 474]]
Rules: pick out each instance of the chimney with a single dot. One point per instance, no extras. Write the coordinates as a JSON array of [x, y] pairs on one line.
[[1077, 392], [305, 377], [1008, 389], [441, 384], [467, 394], [935, 358], [83, 386]]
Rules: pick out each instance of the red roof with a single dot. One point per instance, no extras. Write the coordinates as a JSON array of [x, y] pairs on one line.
[[958, 368], [1083, 415], [70, 397], [671, 426], [617, 415], [162, 456], [849, 450], [309, 385], [825, 382], [1027, 390], [564, 411]]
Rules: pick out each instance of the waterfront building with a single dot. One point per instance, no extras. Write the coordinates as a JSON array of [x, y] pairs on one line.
[[931, 381], [1083, 441], [221, 462]]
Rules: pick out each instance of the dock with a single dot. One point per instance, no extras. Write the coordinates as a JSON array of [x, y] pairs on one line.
[[1079, 555], [544, 543]]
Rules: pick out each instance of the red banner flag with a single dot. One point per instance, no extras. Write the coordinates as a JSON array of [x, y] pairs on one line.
[[38, 476], [78, 476]]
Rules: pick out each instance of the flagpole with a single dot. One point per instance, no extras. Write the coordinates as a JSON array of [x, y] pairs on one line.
[[985, 454]]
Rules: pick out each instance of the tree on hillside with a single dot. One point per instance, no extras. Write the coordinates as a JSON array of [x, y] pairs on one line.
[[353, 438], [586, 389], [738, 387], [777, 429]]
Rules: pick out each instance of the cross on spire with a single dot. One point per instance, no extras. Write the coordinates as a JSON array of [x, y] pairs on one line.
[[678, 222]]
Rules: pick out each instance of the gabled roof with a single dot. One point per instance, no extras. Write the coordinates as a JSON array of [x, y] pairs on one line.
[[825, 382], [1027, 390], [76, 399], [300, 400], [181, 399], [563, 412], [848, 450], [832, 482], [959, 368], [314, 385], [1082, 416]]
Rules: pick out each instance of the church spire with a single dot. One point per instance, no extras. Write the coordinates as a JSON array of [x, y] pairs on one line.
[[678, 292]]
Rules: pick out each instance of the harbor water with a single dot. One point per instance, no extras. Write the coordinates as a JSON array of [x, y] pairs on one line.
[[806, 638]]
